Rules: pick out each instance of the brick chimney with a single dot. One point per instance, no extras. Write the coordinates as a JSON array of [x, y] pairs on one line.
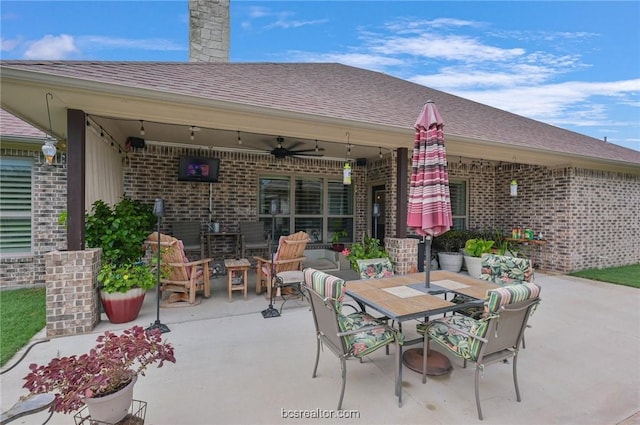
[[209, 30]]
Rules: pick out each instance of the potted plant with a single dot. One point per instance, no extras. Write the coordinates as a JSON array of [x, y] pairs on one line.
[[107, 372], [336, 237], [124, 278], [448, 246], [473, 251], [367, 249]]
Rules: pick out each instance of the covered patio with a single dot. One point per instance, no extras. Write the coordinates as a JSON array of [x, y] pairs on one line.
[[580, 366]]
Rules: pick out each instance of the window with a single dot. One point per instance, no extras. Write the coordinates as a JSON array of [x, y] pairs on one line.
[[15, 205], [315, 205], [458, 192]]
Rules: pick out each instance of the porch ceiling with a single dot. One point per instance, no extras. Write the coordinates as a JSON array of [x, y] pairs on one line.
[[168, 117]]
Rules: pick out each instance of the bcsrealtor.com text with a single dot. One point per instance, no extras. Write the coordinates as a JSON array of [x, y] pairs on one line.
[[319, 414]]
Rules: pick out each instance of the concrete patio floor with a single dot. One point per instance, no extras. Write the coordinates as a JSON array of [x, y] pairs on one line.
[[581, 366]]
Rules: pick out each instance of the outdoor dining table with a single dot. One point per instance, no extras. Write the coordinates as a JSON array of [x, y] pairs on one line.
[[405, 297]]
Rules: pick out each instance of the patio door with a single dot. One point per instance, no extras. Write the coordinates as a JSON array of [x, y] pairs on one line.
[[378, 195]]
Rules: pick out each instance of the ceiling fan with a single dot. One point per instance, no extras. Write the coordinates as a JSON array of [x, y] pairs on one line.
[[281, 152]]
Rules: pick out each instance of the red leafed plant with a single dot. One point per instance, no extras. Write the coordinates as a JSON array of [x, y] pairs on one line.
[[107, 368]]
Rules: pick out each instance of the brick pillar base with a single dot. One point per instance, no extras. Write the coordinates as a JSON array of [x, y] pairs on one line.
[[73, 301], [404, 254]]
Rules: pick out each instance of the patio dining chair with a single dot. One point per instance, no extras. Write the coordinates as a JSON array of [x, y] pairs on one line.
[[190, 233], [181, 278], [253, 237], [495, 337], [502, 270], [288, 257], [354, 335]]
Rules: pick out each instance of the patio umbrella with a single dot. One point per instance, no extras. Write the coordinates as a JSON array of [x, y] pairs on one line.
[[429, 211]]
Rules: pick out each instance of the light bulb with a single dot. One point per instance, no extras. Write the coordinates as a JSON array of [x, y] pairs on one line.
[[141, 128]]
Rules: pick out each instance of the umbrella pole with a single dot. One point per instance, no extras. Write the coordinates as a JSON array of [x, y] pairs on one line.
[[427, 261]]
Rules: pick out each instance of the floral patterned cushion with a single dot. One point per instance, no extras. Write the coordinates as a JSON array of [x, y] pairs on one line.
[[375, 268], [505, 270], [368, 341], [455, 341]]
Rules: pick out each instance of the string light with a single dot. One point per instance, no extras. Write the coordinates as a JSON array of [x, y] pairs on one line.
[[192, 136], [379, 152], [142, 128], [317, 149], [239, 138]]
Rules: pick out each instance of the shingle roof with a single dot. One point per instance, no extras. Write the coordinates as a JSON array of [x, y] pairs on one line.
[[10, 125], [335, 91]]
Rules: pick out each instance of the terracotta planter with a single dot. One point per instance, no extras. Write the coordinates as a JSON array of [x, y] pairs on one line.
[[111, 408], [451, 261], [122, 307]]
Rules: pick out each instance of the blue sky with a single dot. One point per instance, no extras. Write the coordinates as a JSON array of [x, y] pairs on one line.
[[574, 64]]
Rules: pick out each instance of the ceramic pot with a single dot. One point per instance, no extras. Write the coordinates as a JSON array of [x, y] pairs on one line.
[[122, 307], [111, 408], [451, 261], [474, 266]]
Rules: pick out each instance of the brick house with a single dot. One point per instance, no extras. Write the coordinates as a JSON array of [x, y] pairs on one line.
[[582, 193]]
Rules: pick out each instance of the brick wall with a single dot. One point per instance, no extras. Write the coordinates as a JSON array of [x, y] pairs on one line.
[[73, 302], [49, 197], [589, 218]]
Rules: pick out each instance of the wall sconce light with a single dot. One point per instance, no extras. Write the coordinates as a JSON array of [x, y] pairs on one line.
[[514, 188], [346, 174], [49, 147]]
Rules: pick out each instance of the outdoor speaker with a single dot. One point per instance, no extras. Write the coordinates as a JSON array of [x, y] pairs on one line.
[[135, 142]]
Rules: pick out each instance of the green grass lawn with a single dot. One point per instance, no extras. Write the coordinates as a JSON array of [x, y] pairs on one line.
[[22, 315], [625, 275]]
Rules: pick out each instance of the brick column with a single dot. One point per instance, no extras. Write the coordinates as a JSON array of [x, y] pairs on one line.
[[404, 254], [73, 301]]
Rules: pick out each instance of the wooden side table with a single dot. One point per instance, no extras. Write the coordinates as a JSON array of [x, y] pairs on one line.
[[241, 268]]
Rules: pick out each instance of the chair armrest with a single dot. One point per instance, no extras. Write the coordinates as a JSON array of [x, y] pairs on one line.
[[292, 260]]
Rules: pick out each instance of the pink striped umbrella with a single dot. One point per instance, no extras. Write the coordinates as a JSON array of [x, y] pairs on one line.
[[429, 211]]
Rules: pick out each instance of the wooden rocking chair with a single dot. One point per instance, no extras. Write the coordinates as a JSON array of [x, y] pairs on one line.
[[181, 278], [288, 257]]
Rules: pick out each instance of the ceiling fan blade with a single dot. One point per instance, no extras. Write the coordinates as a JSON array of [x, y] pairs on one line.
[[306, 150]]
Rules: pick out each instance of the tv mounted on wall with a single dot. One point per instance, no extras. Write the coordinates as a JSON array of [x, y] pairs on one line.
[[197, 169]]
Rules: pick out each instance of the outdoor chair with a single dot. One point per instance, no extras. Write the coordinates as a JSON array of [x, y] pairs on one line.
[[253, 237], [190, 233], [355, 335], [288, 257], [375, 268], [502, 270], [179, 276], [494, 337]]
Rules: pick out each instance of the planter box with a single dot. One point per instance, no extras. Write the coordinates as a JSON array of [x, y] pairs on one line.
[[321, 259]]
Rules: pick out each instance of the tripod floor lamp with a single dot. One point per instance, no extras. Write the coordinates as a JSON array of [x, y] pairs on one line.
[[158, 211], [271, 311]]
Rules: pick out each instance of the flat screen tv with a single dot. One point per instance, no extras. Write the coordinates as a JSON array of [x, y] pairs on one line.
[[197, 169]]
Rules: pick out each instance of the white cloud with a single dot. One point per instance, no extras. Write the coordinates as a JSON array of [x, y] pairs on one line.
[[52, 47], [7, 45], [93, 42]]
